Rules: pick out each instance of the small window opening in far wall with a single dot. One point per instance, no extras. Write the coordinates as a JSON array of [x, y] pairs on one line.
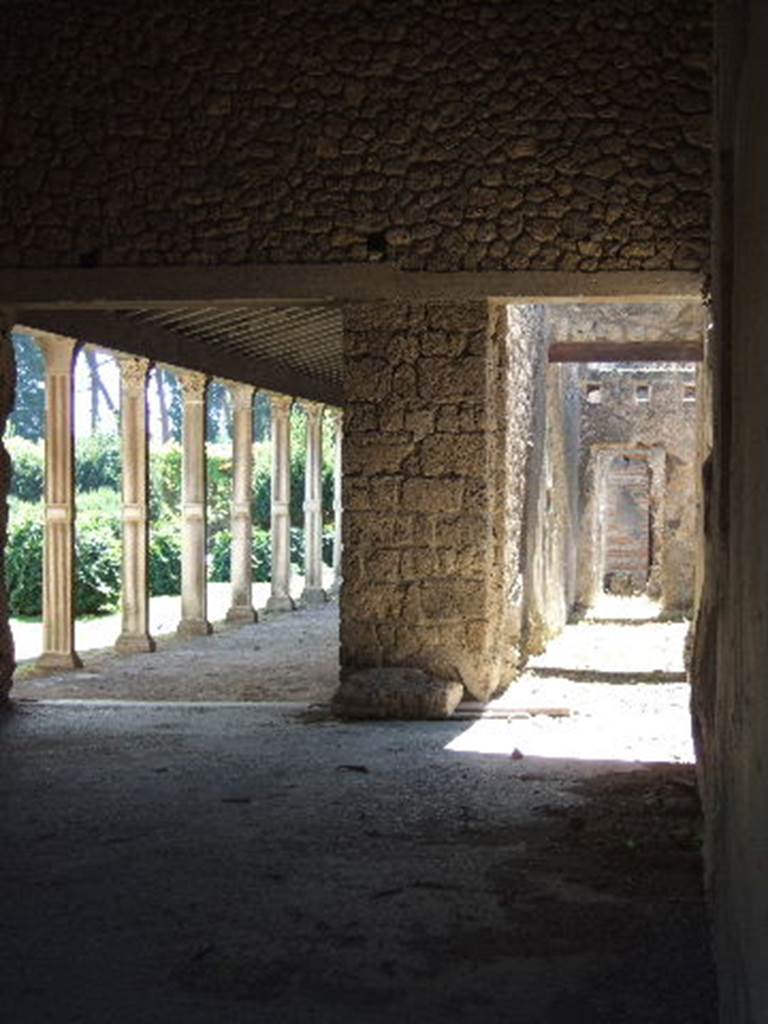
[[642, 392], [594, 394], [689, 392]]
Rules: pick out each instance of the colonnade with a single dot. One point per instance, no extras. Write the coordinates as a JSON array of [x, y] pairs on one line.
[[59, 550]]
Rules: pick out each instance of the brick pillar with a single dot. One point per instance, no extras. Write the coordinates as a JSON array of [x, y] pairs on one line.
[[313, 508], [59, 554], [337, 504], [420, 512], [193, 570], [134, 635], [241, 609], [280, 599], [7, 385]]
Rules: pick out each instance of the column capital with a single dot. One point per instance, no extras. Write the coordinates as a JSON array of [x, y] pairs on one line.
[[242, 394], [133, 372], [193, 384], [59, 351], [313, 410], [280, 404]]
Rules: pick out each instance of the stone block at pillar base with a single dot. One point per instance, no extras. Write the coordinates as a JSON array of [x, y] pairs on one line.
[[242, 613], [194, 627], [313, 598], [135, 643], [56, 661], [395, 693], [280, 604]]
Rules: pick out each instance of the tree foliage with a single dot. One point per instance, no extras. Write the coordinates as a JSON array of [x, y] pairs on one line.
[[28, 417]]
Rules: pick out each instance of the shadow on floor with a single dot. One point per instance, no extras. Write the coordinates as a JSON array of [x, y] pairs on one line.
[[212, 863]]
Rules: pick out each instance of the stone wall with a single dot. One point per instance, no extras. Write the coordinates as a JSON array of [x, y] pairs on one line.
[[552, 508], [433, 493], [664, 426], [731, 648], [469, 134], [7, 384]]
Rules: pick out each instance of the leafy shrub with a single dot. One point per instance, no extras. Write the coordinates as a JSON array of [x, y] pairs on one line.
[[98, 462], [97, 551], [262, 485], [297, 548], [219, 487], [28, 468], [104, 504], [24, 560], [165, 482], [329, 543], [221, 552], [164, 558], [98, 575]]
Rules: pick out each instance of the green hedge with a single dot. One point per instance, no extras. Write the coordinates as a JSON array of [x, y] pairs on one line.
[[221, 550], [98, 518], [97, 550], [164, 558], [98, 462], [27, 468]]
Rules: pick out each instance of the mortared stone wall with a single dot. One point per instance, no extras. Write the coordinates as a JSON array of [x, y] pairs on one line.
[[464, 135]]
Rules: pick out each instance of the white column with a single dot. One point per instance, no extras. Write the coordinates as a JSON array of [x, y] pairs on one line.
[[242, 609], [193, 514], [135, 635], [59, 552], [280, 599], [313, 507], [337, 504]]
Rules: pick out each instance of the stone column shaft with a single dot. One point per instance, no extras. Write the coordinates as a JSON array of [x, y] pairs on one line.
[[337, 504], [241, 609], [313, 507], [280, 598], [193, 570], [59, 551], [134, 635]]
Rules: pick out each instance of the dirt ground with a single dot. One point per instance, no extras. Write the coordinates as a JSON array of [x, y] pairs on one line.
[[291, 656], [204, 863]]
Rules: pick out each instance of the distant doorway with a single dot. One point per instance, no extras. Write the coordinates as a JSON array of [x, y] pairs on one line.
[[626, 518]]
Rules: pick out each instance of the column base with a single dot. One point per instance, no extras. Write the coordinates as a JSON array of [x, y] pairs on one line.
[[54, 660], [194, 627], [314, 597], [135, 643], [242, 613], [280, 604]]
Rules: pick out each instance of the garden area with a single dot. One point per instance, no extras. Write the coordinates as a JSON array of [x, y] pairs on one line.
[[98, 487]]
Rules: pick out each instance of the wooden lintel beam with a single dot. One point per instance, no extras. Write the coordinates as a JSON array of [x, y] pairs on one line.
[[626, 352]]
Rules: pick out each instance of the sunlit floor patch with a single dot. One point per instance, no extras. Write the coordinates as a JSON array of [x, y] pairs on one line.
[[644, 722], [593, 679]]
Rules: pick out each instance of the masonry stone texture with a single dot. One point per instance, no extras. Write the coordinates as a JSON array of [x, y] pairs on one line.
[[460, 136], [419, 440]]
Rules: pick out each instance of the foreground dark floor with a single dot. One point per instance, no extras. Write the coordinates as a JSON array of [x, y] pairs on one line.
[[257, 863]]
